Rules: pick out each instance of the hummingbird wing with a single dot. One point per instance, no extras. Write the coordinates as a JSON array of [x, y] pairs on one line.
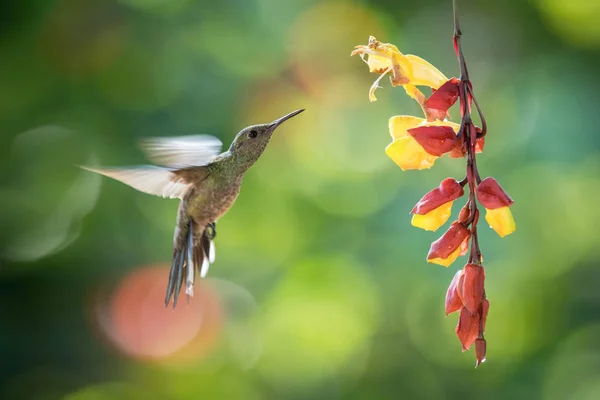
[[181, 151], [150, 179]]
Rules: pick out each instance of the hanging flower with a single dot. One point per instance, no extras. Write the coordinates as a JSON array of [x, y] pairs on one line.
[[417, 143], [496, 202], [434, 209]]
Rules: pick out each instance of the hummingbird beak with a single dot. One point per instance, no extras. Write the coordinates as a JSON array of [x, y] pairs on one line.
[[279, 121]]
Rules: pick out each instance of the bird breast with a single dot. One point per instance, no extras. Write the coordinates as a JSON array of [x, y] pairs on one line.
[[212, 199]]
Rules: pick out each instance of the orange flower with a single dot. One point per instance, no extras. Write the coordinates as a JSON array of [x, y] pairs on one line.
[[405, 150], [450, 246], [407, 70], [434, 209], [496, 202]]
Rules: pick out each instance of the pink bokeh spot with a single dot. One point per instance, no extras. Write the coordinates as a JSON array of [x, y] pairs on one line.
[[138, 323]]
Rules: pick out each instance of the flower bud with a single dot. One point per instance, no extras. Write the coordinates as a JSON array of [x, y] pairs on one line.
[[480, 349], [453, 295], [464, 214], [473, 287], [485, 307], [467, 328]]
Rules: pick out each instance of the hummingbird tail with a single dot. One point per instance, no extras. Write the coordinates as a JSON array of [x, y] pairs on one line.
[[194, 254]]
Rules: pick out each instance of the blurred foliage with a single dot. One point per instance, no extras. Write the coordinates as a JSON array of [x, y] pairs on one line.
[[320, 289]]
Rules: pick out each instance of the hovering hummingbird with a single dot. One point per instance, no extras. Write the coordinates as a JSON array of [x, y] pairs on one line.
[[206, 182]]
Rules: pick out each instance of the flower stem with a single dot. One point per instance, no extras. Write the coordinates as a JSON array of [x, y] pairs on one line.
[[469, 132]]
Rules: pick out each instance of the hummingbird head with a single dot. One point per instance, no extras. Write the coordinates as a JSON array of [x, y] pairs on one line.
[[251, 141]]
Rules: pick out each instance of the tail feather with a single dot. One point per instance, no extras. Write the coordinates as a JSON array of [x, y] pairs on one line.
[[176, 267], [194, 255], [179, 278], [190, 267]]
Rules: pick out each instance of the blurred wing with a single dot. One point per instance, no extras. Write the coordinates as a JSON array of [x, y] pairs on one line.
[[148, 179], [181, 151]]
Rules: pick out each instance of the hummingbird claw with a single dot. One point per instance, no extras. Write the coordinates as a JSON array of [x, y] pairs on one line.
[[211, 230]]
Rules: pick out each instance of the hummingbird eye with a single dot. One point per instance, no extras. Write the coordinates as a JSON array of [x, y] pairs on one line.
[[253, 133]]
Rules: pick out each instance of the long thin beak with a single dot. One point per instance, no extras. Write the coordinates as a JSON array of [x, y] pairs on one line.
[[279, 121]]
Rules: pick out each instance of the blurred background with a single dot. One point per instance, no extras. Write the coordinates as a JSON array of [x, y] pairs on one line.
[[320, 289]]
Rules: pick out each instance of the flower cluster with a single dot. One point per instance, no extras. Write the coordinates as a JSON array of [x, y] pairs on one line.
[[416, 144]]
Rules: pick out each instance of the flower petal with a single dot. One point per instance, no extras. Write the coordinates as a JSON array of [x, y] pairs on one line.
[[434, 218], [452, 244], [443, 98], [408, 154], [425, 74], [501, 220], [436, 140], [485, 308], [467, 328], [448, 190], [400, 124], [491, 195], [379, 64]]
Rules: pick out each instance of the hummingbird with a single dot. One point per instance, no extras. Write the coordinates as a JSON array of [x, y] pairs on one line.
[[207, 184]]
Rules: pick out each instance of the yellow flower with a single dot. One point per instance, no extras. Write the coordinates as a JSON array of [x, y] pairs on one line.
[[501, 220], [434, 218], [405, 151], [407, 70]]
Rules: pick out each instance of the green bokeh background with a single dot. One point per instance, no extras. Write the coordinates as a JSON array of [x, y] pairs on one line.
[[338, 301]]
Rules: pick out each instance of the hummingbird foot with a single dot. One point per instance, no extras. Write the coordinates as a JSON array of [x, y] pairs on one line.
[[211, 230]]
